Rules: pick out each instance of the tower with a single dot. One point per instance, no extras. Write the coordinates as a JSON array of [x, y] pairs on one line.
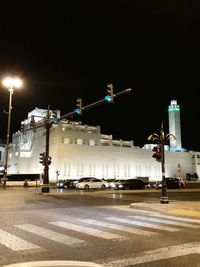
[[175, 125]]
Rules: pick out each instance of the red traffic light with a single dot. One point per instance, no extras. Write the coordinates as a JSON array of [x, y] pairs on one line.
[[49, 160], [157, 155]]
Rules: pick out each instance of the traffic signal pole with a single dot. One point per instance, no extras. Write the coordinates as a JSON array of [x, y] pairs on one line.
[[45, 185], [78, 110], [160, 139]]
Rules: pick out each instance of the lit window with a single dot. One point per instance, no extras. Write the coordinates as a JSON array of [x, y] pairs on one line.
[[92, 142], [79, 141], [66, 141]]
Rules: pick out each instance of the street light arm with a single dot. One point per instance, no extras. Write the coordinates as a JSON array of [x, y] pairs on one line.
[[171, 137], [153, 137]]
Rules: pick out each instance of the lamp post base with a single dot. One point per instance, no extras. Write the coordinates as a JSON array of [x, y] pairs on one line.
[[45, 189], [164, 200]]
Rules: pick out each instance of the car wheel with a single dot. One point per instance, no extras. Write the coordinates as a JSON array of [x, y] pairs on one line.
[[86, 187], [103, 187]]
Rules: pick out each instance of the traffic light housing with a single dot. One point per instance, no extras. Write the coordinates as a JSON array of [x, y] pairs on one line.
[[42, 158], [109, 97], [157, 155], [78, 109], [54, 116], [49, 160], [32, 122], [22, 128]]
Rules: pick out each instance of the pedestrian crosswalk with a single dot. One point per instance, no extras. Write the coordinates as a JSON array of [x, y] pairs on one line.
[[118, 227]]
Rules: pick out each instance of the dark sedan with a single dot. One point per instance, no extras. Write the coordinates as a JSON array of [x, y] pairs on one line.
[[130, 184]]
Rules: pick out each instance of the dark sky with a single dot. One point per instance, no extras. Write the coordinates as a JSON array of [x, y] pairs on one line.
[[64, 50]]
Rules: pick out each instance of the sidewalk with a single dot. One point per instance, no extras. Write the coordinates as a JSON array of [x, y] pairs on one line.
[[181, 208]]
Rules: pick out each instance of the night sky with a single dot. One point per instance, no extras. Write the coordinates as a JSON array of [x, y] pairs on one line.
[[64, 50]]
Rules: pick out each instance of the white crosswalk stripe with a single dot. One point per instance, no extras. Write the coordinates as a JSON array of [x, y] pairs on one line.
[[52, 235], [155, 255], [87, 230], [15, 243], [118, 227], [143, 224], [155, 214], [165, 221]]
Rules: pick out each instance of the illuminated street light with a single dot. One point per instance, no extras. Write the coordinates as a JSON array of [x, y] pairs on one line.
[[10, 83]]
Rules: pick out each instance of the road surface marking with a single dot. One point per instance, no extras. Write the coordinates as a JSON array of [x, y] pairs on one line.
[[118, 227], [144, 224], [55, 236], [156, 255], [175, 218], [86, 230], [165, 221], [185, 212], [15, 243]]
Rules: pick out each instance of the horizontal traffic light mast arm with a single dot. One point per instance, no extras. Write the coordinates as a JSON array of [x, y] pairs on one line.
[[128, 90], [67, 115], [95, 104]]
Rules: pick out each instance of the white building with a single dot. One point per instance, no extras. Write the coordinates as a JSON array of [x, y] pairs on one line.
[[79, 150]]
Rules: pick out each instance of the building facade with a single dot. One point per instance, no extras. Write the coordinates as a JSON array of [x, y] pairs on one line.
[[79, 150]]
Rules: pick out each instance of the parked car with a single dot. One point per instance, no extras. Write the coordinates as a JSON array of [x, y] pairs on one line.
[[130, 184], [174, 183], [157, 185], [171, 183], [62, 184], [74, 182], [92, 183], [112, 183]]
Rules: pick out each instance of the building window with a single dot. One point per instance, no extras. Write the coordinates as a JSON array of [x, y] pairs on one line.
[[116, 145], [66, 127], [92, 142], [66, 141], [92, 130], [79, 141], [105, 144]]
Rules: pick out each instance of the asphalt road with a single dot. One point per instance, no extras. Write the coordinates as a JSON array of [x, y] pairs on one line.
[[98, 227]]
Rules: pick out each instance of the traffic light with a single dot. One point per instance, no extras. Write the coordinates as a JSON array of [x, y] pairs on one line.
[[22, 128], [78, 109], [42, 158], [109, 97], [49, 160], [54, 116], [32, 122], [157, 155]]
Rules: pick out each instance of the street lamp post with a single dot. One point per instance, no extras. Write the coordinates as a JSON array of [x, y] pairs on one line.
[[10, 83], [46, 186], [161, 139]]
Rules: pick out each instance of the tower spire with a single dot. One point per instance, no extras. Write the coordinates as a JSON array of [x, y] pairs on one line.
[[175, 125]]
